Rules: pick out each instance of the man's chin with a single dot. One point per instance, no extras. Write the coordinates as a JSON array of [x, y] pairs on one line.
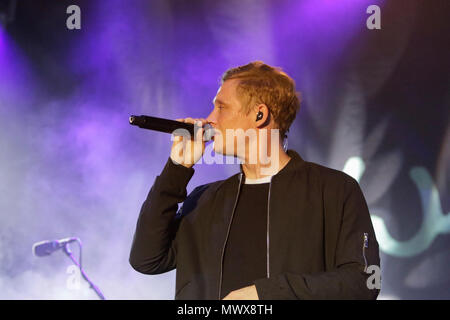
[[221, 151]]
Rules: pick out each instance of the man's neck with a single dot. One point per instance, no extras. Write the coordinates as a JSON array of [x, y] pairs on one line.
[[259, 170]]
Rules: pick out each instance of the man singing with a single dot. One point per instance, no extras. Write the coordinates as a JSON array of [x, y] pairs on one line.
[[282, 228]]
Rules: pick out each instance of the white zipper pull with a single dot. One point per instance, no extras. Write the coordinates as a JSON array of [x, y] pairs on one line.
[[366, 240], [365, 245]]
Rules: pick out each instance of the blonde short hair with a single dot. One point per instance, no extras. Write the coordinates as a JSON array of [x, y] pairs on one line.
[[260, 83]]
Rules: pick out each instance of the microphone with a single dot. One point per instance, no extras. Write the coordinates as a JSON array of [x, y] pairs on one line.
[[47, 247], [169, 126]]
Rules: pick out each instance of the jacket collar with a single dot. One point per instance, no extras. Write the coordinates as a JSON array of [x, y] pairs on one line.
[[294, 164]]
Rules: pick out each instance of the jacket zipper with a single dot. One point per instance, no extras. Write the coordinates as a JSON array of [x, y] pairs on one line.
[[365, 245], [228, 232], [268, 217]]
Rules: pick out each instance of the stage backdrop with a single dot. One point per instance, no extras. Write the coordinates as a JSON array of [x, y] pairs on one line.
[[375, 105]]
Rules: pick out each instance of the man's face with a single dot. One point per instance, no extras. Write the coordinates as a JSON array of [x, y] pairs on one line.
[[227, 115]]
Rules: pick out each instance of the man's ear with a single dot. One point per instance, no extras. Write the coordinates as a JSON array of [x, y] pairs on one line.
[[262, 115]]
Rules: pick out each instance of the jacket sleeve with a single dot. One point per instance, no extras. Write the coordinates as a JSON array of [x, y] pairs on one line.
[[153, 250], [348, 279]]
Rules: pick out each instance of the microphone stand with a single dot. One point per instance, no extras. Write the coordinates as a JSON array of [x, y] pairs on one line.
[[68, 252]]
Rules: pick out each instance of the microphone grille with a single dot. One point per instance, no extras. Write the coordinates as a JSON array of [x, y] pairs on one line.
[[44, 248]]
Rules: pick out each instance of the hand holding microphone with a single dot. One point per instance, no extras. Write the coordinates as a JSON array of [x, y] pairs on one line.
[[187, 152]]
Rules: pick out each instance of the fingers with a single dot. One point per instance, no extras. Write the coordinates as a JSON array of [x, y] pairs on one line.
[[176, 138], [199, 133], [199, 122], [192, 120], [189, 120]]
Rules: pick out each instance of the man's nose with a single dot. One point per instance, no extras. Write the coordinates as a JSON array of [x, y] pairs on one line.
[[211, 119]]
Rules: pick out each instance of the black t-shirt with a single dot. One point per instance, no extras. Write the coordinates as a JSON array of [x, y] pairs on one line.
[[246, 249]]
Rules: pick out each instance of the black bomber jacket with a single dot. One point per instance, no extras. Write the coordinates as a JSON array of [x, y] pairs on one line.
[[319, 233]]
